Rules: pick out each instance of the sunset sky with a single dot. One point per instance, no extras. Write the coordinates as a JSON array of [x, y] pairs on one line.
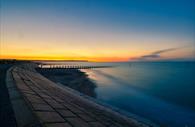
[[97, 30]]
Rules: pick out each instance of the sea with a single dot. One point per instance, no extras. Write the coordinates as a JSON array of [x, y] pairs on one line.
[[161, 92]]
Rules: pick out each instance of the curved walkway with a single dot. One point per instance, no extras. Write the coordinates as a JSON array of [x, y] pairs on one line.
[[43, 103]]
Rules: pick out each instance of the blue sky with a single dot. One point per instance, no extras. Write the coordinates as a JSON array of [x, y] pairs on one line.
[[162, 19], [172, 14]]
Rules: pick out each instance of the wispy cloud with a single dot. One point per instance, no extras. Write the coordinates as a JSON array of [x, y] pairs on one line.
[[157, 54]]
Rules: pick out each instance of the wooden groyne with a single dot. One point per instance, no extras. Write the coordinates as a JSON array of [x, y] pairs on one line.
[[51, 66]]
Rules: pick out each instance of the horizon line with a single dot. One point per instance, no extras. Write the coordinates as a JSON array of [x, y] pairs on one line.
[[75, 60]]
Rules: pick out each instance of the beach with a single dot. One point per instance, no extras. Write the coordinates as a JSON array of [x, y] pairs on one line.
[[72, 78]]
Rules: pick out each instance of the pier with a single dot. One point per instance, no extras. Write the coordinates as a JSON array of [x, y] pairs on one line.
[[52, 66], [39, 102]]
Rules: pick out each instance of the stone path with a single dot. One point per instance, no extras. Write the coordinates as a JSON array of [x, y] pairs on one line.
[[53, 106]]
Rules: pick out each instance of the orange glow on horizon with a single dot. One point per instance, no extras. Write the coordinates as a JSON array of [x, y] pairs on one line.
[[92, 59]]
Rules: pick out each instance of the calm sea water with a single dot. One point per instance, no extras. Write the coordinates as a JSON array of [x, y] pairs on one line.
[[161, 92]]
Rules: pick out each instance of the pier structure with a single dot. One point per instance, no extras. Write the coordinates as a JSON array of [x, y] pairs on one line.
[[39, 102], [53, 66]]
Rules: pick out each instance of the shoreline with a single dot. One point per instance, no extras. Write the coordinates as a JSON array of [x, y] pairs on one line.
[[59, 77]]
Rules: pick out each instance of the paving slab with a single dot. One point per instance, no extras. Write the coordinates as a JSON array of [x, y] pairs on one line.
[[66, 113], [49, 117], [55, 104], [42, 107], [87, 118]]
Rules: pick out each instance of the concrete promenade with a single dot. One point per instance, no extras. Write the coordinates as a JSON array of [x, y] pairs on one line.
[[39, 102]]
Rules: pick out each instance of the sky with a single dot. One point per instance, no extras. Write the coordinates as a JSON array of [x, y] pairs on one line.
[[97, 30]]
